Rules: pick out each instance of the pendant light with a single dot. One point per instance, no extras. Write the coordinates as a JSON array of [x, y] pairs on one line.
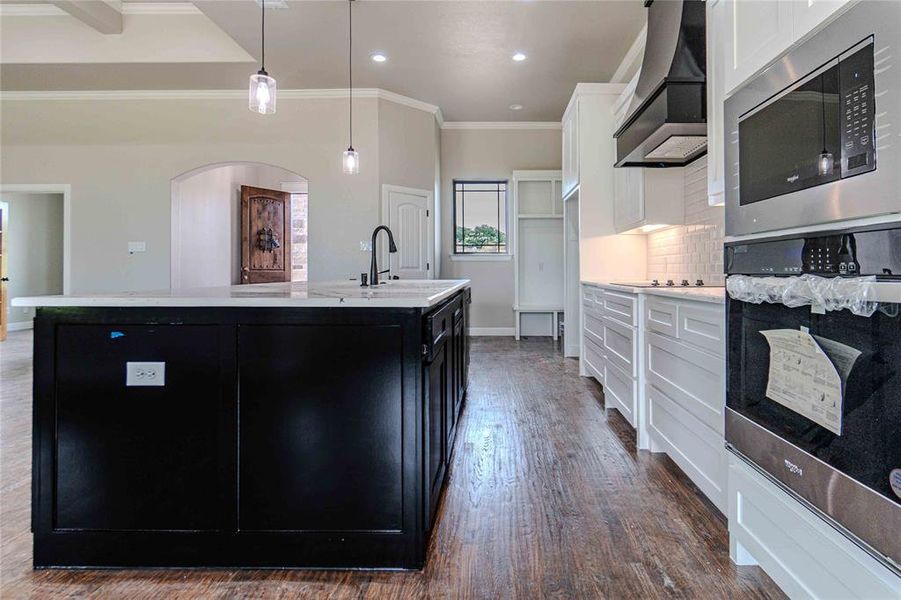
[[825, 162], [261, 97], [351, 158]]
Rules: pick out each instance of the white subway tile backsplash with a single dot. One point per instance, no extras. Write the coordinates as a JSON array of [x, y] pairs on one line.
[[693, 250]]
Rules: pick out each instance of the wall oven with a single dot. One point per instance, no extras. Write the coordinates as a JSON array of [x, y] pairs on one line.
[[815, 138], [814, 374]]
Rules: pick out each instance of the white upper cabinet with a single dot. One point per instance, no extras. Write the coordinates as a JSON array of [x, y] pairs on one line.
[[647, 199], [571, 148], [756, 32], [716, 58], [628, 198], [807, 15]]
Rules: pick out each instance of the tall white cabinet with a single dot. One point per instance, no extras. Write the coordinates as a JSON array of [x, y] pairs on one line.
[[716, 94], [588, 156], [538, 271]]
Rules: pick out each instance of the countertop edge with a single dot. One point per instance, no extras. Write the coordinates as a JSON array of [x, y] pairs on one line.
[[138, 301], [688, 294]]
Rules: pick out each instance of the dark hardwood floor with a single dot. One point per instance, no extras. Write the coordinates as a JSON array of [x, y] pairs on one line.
[[547, 498]]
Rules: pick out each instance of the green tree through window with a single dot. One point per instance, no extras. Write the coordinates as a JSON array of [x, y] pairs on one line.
[[480, 217]]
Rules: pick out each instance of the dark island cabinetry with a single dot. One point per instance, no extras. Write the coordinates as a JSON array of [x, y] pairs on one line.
[[280, 437], [445, 368]]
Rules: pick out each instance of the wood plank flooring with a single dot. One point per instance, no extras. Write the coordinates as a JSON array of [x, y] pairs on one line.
[[547, 498]]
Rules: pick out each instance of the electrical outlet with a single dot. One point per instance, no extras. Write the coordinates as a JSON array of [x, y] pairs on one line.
[[144, 374], [137, 247], [366, 246]]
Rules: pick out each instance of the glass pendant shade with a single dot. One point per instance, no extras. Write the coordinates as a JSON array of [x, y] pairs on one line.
[[825, 163], [351, 161], [261, 97]]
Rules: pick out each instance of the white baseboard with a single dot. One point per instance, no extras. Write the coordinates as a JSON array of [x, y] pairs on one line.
[[20, 325], [492, 331]]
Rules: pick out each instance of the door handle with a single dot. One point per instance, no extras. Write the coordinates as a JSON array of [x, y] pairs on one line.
[[4, 278]]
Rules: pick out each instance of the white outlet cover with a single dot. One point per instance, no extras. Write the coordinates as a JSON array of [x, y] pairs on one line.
[[137, 247], [145, 374]]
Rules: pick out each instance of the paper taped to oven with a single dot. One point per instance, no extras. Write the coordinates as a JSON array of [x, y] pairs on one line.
[[803, 378]]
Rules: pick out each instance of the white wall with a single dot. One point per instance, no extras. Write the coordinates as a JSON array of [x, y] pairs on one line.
[[35, 248], [119, 156], [489, 154], [210, 254]]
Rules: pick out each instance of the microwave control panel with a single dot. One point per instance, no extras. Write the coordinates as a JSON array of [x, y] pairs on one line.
[[857, 105]]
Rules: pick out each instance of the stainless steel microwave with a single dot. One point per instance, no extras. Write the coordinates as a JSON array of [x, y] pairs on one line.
[[816, 137]]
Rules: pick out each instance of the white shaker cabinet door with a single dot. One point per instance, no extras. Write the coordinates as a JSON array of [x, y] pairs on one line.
[[807, 15], [571, 149], [756, 32], [716, 59], [628, 198]]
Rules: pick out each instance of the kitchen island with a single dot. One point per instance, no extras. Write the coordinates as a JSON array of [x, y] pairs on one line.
[[284, 425]]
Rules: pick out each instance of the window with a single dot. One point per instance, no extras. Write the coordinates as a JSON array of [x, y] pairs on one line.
[[480, 217]]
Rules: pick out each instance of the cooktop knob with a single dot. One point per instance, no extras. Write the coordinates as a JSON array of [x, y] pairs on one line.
[[685, 283], [699, 282], [670, 283]]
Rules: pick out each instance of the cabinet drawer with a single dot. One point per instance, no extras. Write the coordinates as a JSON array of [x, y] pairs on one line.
[[620, 392], [662, 316], [620, 307], [439, 326], [698, 450], [594, 360], [620, 346], [592, 296], [594, 326], [703, 325], [692, 378]]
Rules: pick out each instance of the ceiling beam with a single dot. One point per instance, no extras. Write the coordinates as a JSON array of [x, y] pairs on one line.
[[103, 15]]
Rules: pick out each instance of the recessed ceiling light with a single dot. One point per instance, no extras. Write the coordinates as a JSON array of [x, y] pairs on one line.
[[519, 57], [516, 107], [378, 57]]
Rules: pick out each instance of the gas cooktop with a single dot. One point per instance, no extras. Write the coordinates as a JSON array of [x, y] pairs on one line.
[[667, 283]]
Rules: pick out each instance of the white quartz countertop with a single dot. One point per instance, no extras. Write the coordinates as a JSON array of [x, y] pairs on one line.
[[421, 293], [714, 295]]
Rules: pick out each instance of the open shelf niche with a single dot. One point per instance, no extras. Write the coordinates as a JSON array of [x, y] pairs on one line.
[[538, 252]]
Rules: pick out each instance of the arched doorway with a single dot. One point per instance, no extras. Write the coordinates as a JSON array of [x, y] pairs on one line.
[[206, 219]]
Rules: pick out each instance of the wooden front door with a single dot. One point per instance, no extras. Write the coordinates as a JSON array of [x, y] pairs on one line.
[[4, 308], [265, 235]]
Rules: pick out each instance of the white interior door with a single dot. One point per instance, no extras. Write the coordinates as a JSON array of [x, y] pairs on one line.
[[408, 213]]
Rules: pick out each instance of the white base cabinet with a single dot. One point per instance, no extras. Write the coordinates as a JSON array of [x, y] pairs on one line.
[[684, 382], [593, 356], [802, 553]]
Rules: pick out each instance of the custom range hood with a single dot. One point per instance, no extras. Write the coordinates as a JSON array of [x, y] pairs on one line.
[[667, 119]]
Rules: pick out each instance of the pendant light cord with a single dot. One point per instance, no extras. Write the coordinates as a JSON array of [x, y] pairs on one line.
[[823, 104], [263, 35], [350, 67]]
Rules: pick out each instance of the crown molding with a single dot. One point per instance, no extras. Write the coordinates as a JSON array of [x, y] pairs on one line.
[[160, 8], [30, 10], [633, 57], [501, 125], [128, 8], [595, 89], [283, 94]]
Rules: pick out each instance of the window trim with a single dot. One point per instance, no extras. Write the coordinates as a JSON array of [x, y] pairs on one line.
[[482, 256]]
